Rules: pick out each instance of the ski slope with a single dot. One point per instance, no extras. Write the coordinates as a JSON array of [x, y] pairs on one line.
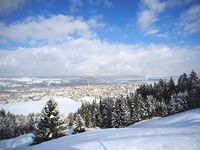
[[176, 132], [65, 106]]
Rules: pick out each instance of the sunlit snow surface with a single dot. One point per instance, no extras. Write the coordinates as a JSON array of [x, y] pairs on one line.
[[65, 105], [177, 132]]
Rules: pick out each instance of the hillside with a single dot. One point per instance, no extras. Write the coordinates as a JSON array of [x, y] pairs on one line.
[[176, 132]]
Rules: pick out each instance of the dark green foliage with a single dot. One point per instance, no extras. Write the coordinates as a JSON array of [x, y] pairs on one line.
[[151, 106], [171, 86], [95, 114], [183, 83], [106, 107], [50, 125], [79, 125], [119, 114], [178, 103], [14, 125], [70, 119], [194, 90]]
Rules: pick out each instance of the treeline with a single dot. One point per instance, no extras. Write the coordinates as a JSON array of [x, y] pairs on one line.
[[12, 125], [150, 100]]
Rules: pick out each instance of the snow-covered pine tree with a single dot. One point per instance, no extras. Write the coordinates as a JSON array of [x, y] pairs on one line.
[[141, 108], [183, 83], [88, 115], [194, 90], [79, 124], [95, 114], [161, 108], [70, 119], [106, 107], [130, 101], [2, 113], [135, 115], [193, 81], [50, 125], [172, 87], [151, 106], [85, 112], [178, 102], [30, 120], [119, 114]]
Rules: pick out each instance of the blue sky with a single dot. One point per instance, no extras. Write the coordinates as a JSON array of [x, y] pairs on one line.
[[102, 37]]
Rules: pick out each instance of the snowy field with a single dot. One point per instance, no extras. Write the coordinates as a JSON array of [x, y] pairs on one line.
[[65, 105], [177, 132]]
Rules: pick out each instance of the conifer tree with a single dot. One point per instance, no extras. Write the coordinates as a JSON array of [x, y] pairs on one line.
[[171, 86], [141, 107], [50, 125], [95, 114], [151, 106], [106, 112], [178, 103], [194, 90], [183, 83], [161, 108], [79, 124], [119, 114], [193, 80], [131, 104]]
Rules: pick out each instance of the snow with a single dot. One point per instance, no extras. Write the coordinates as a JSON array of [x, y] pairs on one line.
[[8, 82], [87, 99], [65, 106], [176, 132], [14, 142], [178, 120]]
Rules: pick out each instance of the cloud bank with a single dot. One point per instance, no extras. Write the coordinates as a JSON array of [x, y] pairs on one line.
[[94, 57], [52, 28]]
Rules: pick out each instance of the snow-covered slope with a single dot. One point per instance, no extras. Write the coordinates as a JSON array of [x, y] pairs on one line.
[[14, 142], [177, 132], [189, 118], [65, 105]]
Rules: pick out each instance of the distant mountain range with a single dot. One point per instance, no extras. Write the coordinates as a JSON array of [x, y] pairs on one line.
[[37, 82]]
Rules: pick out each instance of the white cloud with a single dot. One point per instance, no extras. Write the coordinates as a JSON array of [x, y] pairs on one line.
[[146, 19], [154, 5], [150, 11], [7, 6], [74, 5], [152, 32], [148, 14], [53, 28], [163, 35], [94, 57], [190, 19]]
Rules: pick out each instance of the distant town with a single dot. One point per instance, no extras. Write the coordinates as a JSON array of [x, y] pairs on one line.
[[77, 93]]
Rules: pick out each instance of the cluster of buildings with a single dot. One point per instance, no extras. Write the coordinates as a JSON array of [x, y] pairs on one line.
[[74, 93]]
